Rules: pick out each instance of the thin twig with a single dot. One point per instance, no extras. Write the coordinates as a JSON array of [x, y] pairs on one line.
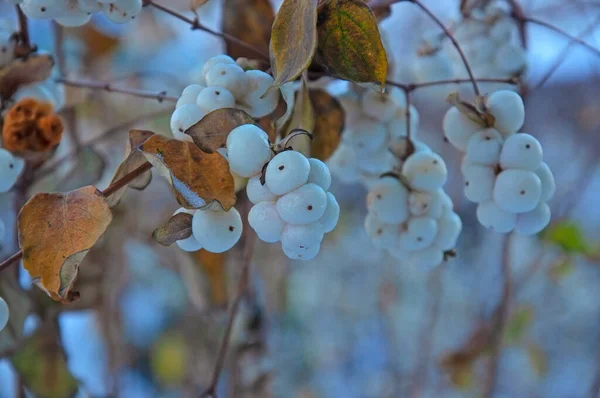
[[196, 25], [563, 54], [242, 288], [416, 86], [563, 33], [407, 114], [15, 257], [519, 15], [449, 34], [500, 319], [100, 85]]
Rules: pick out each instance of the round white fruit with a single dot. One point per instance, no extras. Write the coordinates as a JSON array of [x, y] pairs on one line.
[[332, 214], [302, 254], [458, 128], [342, 163], [185, 117], [508, 109], [479, 183], [521, 151], [388, 200], [257, 192], [265, 220], [217, 231], [449, 227], [213, 98], [302, 236], [423, 230], [366, 136], [248, 150], [258, 83], [378, 106], [548, 183], [216, 61], [319, 173], [532, 222], [287, 171], [425, 204], [189, 95], [303, 205], [517, 191], [228, 76], [484, 147], [189, 244], [493, 217], [425, 171]]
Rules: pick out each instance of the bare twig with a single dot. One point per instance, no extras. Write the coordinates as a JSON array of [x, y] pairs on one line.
[[242, 289], [563, 33], [519, 16], [196, 25], [500, 319], [416, 86], [407, 114], [15, 257], [99, 85]]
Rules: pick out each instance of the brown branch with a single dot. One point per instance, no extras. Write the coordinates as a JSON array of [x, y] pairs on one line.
[[99, 85], [563, 54], [416, 86], [563, 33], [196, 25], [242, 288], [114, 187], [519, 16], [450, 36], [500, 319], [407, 114]]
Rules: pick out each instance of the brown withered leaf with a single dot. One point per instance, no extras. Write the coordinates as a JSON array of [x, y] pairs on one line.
[[213, 267], [328, 124], [211, 132], [194, 4], [350, 45], [133, 160], [293, 39], [23, 71], [178, 227], [42, 365], [303, 118], [199, 179], [56, 230], [250, 20]]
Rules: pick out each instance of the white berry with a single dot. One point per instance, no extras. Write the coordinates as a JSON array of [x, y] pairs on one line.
[[257, 192], [548, 183], [213, 98], [332, 214], [265, 220], [248, 150], [185, 117], [366, 136], [228, 76], [378, 105], [189, 244], [534, 221], [388, 200], [287, 171], [214, 62], [449, 227], [319, 173], [425, 171], [302, 254], [217, 231], [517, 191], [425, 204], [258, 83], [484, 147], [301, 236], [508, 109], [303, 205], [427, 258], [479, 183], [423, 230], [521, 151], [189, 95], [458, 128], [493, 217]]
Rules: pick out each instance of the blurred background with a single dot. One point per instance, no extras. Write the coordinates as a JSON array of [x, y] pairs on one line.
[[354, 322]]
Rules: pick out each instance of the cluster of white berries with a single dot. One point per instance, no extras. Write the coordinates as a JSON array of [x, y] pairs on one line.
[[11, 168], [215, 231], [79, 12], [411, 216], [489, 40], [292, 205], [4, 314], [374, 123], [223, 84], [503, 171]]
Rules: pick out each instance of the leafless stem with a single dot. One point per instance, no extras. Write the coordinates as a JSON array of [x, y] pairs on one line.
[[196, 25], [99, 85], [407, 113], [500, 319], [563, 33], [519, 15], [416, 86], [126, 179], [15, 257]]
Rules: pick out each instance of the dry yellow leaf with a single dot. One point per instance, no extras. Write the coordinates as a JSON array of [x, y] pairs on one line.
[[328, 124], [211, 132], [22, 71]]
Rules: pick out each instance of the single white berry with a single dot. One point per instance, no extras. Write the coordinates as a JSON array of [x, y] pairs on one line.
[[305, 254], [257, 192], [265, 220], [388, 200], [366, 136], [425, 171], [449, 227], [228, 76], [458, 128], [446, 200], [429, 257], [213, 98], [287, 171], [11, 168], [189, 95], [407, 243], [216, 61], [217, 231], [385, 236], [39, 9], [332, 214], [548, 183], [258, 83], [189, 244], [185, 117], [123, 10], [493, 217], [4, 313], [248, 150], [90, 6], [479, 183], [319, 173], [521, 151], [425, 204], [484, 147], [73, 18], [378, 106], [423, 230], [301, 236], [303, 205], [517, 191], [508, 109], [342, 163], [534, 221]]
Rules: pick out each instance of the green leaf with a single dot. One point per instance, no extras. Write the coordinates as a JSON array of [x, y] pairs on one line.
[[293, 39], [350, 45], [518, 325], [567, 235], [42, 365]]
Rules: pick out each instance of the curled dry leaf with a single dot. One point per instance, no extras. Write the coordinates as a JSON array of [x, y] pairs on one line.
[[133, 160], [350, 45], [328, 124], [23, 71], [250, 20], [211, 132], [199, 179], [293, 39], [213, 267], [56, 230], [42, 365], [178, 227]]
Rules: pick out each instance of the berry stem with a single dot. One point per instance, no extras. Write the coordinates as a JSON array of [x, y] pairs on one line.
[[563, 33], [100, 85], [15, 257], [196, 25], [407, 113], [416, 86]]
